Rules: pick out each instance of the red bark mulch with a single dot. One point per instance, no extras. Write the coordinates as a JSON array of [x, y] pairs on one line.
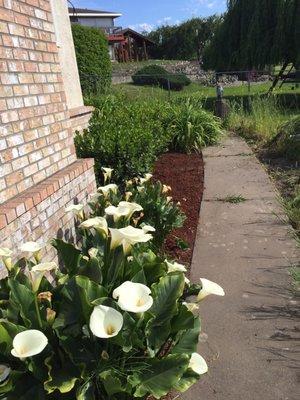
[[185, 174]]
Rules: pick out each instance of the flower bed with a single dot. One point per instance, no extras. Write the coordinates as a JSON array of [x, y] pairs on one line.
[[116, 320], [184, 173]]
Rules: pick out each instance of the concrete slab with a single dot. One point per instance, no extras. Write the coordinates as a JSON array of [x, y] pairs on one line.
[[249, 337]]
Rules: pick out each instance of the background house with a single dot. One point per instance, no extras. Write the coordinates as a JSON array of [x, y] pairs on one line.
[[124, 44]]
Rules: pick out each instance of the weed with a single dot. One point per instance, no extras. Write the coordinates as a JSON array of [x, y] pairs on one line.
[[233, 199]]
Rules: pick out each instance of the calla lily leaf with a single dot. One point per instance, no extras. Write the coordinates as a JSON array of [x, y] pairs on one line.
[[188, 340], [112, 383], [160, 376], [165, 296], [185, 319], [187, 380], [69, 255], [8, 331], [61, 378], [86, 392], [92, 269], [23, 297]]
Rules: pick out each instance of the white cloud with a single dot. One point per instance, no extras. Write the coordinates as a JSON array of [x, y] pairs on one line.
[[143, 27], [164, 20]]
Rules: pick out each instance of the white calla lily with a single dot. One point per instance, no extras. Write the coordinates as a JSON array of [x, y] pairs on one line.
[[105, 322], [76, 209], [187, 281], [209, 287], [175, 267], [107, 173], [93, 252], [141, 189], [133, 297], [38, 271], [6, 255], [34, 248], [146, 178], [148, 228], [125, 209], [4, 372], [112, 187], [198, 364], [128, 237], [98, 223], [128, 195], [166, 189], [29, 343]]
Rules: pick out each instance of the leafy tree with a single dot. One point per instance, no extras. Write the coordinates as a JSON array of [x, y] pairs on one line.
[[256, 34], [185, 41]]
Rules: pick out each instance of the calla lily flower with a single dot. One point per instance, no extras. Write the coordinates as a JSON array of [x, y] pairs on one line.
[[108, 188], [34, 248], [191, 306], [133, 297], [146, 178], [128, 195], [105, 322], [107, 173], [6, 255], [128, 237], [175, 267], [209, 287], [28, 343], [148, 228], [166, 189], [98, 223], [4, 372], [141, 189], [124, 209], [76, 209], [198, 364], [38, 271]]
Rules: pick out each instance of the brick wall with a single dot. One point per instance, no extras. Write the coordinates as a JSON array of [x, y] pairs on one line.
[[35, 137], [36, 131]]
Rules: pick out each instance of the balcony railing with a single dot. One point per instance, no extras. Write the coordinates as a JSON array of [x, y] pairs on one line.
[[112, 30]]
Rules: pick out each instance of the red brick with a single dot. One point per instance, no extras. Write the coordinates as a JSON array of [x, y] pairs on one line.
[[22, 19], [31, 67], [7, 15], [9, 213], [3, 221]]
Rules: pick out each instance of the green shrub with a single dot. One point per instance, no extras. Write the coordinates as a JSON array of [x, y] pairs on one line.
[[191, 127], [93, 59], [127, 137], [159, 76], [287, 140]]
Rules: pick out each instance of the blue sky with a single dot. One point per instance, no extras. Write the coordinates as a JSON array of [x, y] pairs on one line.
[[147, 14]]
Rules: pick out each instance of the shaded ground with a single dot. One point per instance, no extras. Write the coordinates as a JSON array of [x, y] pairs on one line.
[[184, 173]]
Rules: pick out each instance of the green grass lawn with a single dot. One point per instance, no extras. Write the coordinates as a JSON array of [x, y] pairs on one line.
[[133, 92]]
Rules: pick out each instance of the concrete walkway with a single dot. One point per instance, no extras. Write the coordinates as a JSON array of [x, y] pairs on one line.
[[250, 336]]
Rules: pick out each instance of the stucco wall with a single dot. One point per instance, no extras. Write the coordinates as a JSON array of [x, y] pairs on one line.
[[96, 22], [66, 53]]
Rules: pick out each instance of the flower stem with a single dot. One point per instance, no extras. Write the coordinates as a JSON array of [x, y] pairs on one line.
[[38, 311]]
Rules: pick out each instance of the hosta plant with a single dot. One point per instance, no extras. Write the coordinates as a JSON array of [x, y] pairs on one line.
[[113, 322]]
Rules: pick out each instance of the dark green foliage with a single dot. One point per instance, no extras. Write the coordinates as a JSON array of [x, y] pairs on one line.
[[93, 60], [125, 136], [185, 41], [159, 76], [256, 34]]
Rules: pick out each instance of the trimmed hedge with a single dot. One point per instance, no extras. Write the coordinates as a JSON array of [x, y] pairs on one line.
[[93, 59], [159, 76]]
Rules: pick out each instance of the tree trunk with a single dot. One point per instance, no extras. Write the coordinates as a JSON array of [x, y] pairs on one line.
[[278, 77]]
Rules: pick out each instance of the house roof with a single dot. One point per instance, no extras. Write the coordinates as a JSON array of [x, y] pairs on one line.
[[136, 34], [85, 12]]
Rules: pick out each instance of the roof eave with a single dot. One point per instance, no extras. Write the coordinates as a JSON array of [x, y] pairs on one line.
[[113, 15]]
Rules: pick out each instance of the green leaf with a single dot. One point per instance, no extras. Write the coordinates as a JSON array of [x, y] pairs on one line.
[[61, 378], [92, 269], [68, 254], [160, 376], [24, 298], [112, 384], [188, 340], [165, 296], [86, 392], [188, 379], [185, 319]]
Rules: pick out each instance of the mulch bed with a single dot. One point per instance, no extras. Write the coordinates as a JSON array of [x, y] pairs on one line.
[[185, 174]]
